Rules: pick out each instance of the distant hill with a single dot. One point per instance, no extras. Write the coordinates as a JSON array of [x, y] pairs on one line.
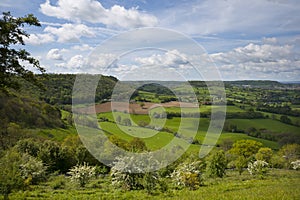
[[256, 83]]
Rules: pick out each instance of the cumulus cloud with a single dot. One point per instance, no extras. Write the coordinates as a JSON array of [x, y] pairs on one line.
[[171, 58], [38, 39], [260, 61], [70, 32], [169, 65], [54, 54], [256, 54], [79, 63], [83, 47], [76, 62], [93, 11], [101, 61]]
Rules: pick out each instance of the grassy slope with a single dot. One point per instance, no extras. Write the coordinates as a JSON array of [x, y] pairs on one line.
[[280, 184]]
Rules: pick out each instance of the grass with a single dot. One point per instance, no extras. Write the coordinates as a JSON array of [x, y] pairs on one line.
[[157, 139], [269, 124], [204, 109], [279, 184], [57, 134]]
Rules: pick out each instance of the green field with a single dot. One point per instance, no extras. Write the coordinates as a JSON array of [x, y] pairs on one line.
[[269, 124], [186, 128]]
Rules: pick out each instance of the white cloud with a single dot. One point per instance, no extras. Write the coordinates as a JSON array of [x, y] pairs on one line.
[[76, 62], [54, 54], [256, 54], [70, 32], [259, 61], [38, 39], [83, 47], [170, 58], [101, 61], [93, 11], [169, 65]]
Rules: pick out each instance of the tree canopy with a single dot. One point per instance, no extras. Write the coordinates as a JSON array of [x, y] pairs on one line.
[[13, 61]]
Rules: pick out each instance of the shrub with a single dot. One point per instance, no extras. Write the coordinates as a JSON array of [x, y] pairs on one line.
[[244, 150], [82, 174], [137, 145], [58, 183], [259, 168], [264, 153], [127, 173], [29, 146], [296, 164], [55, 156], [150, 181], [217, 164], [32, 170], [188, 175], [10, 176], [290, 152]]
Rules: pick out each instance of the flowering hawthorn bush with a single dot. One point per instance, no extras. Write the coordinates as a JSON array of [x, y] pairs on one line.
[[32, 169], [127, 173], [188, 175], [258, 167], [296, 164], [82, 174]]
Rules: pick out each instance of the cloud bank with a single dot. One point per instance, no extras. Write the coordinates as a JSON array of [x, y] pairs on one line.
[[92, 11]]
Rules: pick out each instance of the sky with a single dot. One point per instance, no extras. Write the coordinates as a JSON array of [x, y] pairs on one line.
[[244, 40]]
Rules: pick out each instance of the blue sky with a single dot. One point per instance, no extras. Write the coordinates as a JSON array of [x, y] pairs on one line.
[[257, 39]]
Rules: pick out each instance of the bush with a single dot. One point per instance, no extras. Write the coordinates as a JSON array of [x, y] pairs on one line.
[[10, 175], [29, 146], [82, 174], [217, 164], [55, 156], [188, 175], [32, 170], [58, 183], [264, 154], [150, 181], [296, 164], [259, 168], [290, 152], [127, 174]]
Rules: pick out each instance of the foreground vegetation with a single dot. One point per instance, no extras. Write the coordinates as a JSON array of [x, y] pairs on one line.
[[279, 184]]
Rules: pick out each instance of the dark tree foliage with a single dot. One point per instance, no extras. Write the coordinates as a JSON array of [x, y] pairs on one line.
[[12, 33]]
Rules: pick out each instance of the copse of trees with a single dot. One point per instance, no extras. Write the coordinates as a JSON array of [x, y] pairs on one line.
[[278, 109]]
